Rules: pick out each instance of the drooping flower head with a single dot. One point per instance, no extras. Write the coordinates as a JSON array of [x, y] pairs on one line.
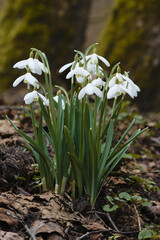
[[90, 89], [31, 97], [27, 78], [93, 62], [80, 74], [33, 64], [121, 84]]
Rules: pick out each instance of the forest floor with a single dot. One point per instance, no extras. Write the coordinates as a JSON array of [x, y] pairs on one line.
[[128, 206]]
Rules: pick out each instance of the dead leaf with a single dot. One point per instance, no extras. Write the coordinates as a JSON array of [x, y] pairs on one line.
[[46, 227], [9, 236], [93, 226], [8, 217], [6, 127]]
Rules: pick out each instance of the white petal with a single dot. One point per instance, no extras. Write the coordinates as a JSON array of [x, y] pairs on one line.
[[89, 89], [120, 77], [98, 82], [42, 66], [136, 88], [31, 80], [81, 93], [56, 99], [18, 80], [71, 73], [112, 82], [80, 79], [85, 72], [94, 58], [21, 64], [114, 91], [91, 67], [129, 91], [30, 97], [62, 69], [45, 100], [104, 60], [98, 92], [37, 67], [31, 64]]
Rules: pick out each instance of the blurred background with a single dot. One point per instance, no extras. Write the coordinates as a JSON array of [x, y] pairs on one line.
[[127, 31]]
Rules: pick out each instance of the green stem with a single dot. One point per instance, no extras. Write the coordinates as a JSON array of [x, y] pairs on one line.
[[33, 123], [63, 185], [114, 105], [73, 189], [57, 189], [95, 113]]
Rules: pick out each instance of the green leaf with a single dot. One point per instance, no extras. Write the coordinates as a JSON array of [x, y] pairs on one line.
[[107, 208], [136, 198], [145, 233], [69, 140], [125, 196], [110, 199], [106, 150], [65, 92]]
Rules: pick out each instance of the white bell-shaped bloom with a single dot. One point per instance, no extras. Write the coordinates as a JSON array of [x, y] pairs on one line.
[[33, 64], [92, 68], [34, 96], [93, 61], [114, 91], [31, 97], [122, 84], [80, 74], [27, 78], [90, 89], [46, 101], [98, 82]]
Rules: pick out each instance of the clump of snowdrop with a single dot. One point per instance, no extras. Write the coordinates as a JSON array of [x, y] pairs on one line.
[[79, 130]]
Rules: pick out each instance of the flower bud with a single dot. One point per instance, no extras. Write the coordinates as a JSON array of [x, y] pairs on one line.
[[118, 69]]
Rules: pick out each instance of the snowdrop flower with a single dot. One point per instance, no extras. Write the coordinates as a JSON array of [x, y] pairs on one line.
[[98, 82], [34, 96], [34, 65], [120, 84], [31, 97], [27, 78], [80, 74], [56, 99], [115, 91], [93, 61], [46, 101], [89, 89]]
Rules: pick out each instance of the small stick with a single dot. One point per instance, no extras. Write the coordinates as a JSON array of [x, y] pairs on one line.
[[23, 223], [106, 230], [138, 219], [109, 218]]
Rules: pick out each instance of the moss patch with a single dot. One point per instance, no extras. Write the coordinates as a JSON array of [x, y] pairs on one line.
[[132, 36], [53, 26]]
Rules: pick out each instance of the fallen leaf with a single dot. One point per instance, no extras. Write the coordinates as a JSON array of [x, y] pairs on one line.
[[6, 127], [93, 226], [46, 227], [8, 217], [9, 236]]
